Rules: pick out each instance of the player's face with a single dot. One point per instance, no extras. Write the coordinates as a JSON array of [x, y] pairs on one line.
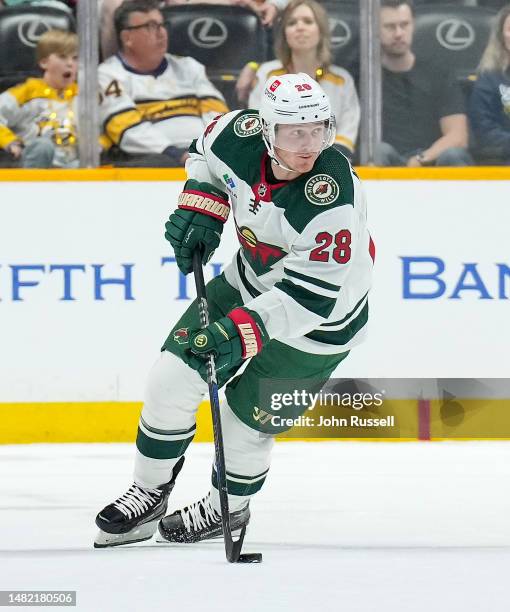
[[397, 27], [506, 33], [60, 69], [298, 146], [302, 138], [146, 35], [302, 32]]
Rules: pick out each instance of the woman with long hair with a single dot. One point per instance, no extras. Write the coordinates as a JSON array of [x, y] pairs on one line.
[[489, 104], [303, 44]]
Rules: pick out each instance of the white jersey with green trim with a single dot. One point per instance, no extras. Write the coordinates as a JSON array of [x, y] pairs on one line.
[[306, 257]]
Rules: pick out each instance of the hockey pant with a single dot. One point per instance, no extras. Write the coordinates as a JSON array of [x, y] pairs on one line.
[[174, 391]]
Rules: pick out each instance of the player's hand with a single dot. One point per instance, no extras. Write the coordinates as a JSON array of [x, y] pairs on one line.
[[197, 223], [238, 336]]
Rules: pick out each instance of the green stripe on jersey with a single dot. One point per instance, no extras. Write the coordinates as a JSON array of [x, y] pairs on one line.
[[312, 280], [313, 302], [341, 336], [347, 316]]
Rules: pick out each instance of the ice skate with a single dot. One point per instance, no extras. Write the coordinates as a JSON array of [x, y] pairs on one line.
[[199, 521], [134, 516]]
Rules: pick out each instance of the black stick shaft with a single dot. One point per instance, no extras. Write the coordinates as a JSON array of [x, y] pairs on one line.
[[232, 549]]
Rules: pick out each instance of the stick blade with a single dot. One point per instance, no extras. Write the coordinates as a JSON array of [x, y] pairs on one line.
[[250, 558]]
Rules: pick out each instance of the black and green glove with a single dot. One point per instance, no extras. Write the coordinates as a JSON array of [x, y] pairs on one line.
[[238, 336], [197, 222]]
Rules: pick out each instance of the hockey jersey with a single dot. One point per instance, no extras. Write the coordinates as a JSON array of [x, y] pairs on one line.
[[146, 113], [306, 257], [338, 85], [34, 109]]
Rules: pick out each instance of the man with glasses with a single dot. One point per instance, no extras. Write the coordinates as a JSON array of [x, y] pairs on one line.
[[267, 10], [152, 104]]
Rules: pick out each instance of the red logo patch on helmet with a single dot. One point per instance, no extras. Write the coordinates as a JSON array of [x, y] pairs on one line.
[[274, 86]]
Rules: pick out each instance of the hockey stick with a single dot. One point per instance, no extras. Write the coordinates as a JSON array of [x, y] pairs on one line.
[[232, 547]]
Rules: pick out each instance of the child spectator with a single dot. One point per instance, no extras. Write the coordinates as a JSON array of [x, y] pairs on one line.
[[37, 117]]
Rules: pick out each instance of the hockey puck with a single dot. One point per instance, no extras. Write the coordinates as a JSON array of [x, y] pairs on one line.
[[250, 558]]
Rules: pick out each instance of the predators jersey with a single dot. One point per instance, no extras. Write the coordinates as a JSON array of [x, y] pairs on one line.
[[34, 109], [146, 113], [338, 85], [306, 257]]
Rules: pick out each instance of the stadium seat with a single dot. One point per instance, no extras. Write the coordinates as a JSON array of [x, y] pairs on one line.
[[452, 36], [495, 4], [344, 23], [223, 38], [20, 29]]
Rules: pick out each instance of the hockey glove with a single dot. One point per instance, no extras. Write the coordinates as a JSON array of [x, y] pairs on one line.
[[238, 336], [197, 223]]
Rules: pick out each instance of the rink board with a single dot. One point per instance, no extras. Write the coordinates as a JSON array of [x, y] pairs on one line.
[[88, 291]]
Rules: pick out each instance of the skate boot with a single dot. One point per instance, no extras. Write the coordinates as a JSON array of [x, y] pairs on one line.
[[134, 516], [199, 521]]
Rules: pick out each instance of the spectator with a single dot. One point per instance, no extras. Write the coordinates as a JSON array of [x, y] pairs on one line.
[[37, 117], [153, 104], [423, 118], [303, 45], [489, 105], [266, 9]]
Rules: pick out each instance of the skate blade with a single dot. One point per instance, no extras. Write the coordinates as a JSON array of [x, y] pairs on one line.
[[139, 534]]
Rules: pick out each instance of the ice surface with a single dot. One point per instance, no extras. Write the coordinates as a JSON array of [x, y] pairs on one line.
[[350, 526]]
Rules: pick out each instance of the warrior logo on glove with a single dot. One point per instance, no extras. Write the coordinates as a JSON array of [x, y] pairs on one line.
[[197, 223]]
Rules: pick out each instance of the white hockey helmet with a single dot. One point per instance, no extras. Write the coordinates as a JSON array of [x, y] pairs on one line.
[[295, 99]]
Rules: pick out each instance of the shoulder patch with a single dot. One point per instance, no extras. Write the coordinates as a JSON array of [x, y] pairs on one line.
[[321, 189], [247, 125]]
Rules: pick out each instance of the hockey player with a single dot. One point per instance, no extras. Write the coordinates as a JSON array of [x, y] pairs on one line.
[[293, 301]]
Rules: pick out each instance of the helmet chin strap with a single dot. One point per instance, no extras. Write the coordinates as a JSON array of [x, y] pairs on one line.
[[282, 165]]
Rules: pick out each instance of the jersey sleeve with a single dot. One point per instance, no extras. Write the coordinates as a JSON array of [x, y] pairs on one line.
[[315, 271], [10, 112], [122, 122]]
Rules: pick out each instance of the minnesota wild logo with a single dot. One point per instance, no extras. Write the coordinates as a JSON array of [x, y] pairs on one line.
[[247, 125], [260, 255], [321, 189], [181, 335]]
